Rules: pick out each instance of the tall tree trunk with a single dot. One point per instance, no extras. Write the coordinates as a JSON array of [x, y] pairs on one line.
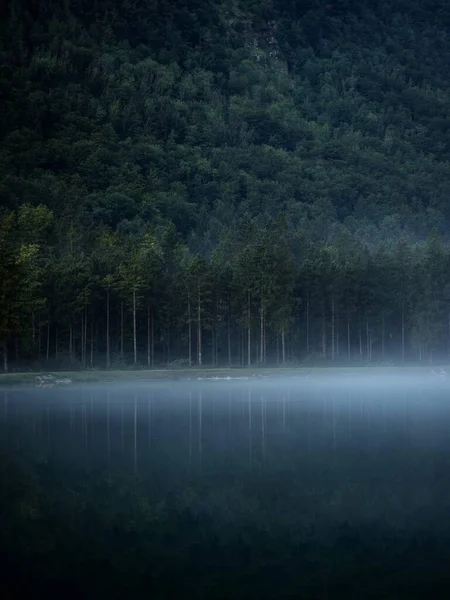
[[249, 356], [307, 322], [134, 328], [153, 339], [85, 335], [56, 343], [261, 326], [39, 340], [382, 335], [332, 327], [108, 349], [91, 358], [324, 331], [149, 351], [360, 337], [5, 355], [199, 330], [47, 354], [278, 348], [337, 330], [71, 343], [81, 342], [229, 341], [367, 339], [283, 346], [348, 337], [121, 331], [403, 333], [16, 344], [189, 332]]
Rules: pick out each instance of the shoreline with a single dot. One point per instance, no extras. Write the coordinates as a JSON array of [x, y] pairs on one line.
[[217, 373]]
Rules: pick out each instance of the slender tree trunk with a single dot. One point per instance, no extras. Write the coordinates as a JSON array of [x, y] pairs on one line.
[[153, 339], [189, 332], [134, 328], [278, 348], [360, 337], [337, 330], [16, 343], [348, 337], [199, 330], [47, 354], [261, 326], [149, 352], [383, 335], [5, 355], [85, 335], [229, 341], [91, 358], [56, 344], [121, 331], [71, 343], [307, 323], [332, 327], [249, 356], [324, 331], [39, 341], [108, 349], [283, 346], [368, 348], [403, 334]]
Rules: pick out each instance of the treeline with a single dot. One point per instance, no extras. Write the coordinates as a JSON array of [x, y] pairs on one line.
[[147, 149], [265, 295]]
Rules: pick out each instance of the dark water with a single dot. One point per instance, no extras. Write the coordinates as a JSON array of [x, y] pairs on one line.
[[227, 490]]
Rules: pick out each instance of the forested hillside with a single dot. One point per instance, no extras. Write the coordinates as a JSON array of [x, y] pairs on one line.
[[224, 182]]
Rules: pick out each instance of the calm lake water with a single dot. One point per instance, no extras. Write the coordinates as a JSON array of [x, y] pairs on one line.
[[236, 489]]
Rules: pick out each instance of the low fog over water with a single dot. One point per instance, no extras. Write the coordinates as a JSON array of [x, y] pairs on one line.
[[335, 487]]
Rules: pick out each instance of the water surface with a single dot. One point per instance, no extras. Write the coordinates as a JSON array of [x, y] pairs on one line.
[[237, 489]]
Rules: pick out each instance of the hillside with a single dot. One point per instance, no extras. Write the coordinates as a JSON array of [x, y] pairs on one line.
[[145, 143]]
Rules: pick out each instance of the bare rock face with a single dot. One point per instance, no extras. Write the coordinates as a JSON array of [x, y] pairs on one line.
[[50, 381]]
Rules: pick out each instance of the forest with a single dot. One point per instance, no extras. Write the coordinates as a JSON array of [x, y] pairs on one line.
[[224, 183]]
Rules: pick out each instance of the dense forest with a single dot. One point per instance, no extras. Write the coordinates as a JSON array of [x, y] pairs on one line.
[[224, 182]]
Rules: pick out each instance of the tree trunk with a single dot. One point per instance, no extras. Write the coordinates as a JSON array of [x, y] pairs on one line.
[[348, 337], [368, 346], [153, 339], [5, 355], [121, 331], [283, 347], [56, 344], [249, 356], [403, 334], [307, 323], [360, 338], [324, 331], [39, 341], [149, 352], [229, 341], [332, 327], [261, 326], [108, 349], [47, 355], [134, 328], [71, 343], [278, 348], [91, 358], [16, 343], [337, 331], [199, 330], [189, 332]]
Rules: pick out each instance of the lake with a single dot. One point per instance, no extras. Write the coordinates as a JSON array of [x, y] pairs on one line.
[[313, 488]]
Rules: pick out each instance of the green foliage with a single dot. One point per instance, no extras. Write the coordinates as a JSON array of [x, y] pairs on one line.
[[134, 133]]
